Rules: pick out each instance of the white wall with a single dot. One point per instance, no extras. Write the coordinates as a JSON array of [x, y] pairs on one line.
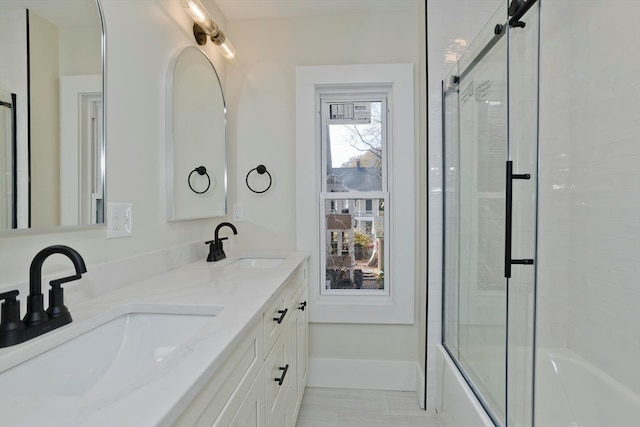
[[261, 97], [13, 78], [44, 110], [77, 50], [142, 36]]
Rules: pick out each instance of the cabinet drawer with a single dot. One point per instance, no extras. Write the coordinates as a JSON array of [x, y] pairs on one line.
[[275, 318], [279, 311], [233, 378], [297, 278]]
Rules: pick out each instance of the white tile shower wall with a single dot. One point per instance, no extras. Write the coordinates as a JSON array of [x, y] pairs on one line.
[[451, 26], [590, 185]]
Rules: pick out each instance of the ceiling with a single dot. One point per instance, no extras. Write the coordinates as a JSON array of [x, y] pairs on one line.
[[254, 9], [74, 12], [63, 13]]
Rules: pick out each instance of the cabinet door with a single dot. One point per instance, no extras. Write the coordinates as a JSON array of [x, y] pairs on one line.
[[287, 413], [301, 343], [251, 412], [285, 417], [280, 374], [228, 385]]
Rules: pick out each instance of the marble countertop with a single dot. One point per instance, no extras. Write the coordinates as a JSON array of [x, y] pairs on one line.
[[160, 396]]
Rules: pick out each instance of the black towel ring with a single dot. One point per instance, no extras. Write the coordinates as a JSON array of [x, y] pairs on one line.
[[261, 169], [201, 171]]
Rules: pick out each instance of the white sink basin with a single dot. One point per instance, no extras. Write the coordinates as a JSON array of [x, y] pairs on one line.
[[245, 263], [114, 354]]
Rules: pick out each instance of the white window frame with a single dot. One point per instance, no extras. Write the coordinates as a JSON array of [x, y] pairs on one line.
[[312, 82]]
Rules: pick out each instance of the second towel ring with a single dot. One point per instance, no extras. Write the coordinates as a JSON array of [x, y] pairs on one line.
[[201, 171], [261, 169]]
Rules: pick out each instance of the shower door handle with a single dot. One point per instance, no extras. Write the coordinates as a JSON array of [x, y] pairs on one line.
[[508, 261]]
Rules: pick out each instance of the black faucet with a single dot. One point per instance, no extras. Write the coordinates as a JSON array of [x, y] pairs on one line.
[[37, 321], [216, 252]]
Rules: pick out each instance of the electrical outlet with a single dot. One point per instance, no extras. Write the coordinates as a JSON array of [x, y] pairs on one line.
[[238, 212], [119, 220]]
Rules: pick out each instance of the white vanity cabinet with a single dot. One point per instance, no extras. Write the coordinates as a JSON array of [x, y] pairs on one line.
[[283, 385], [261, 382]]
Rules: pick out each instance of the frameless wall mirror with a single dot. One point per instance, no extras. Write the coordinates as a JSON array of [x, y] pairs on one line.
[[196, 138], [52, 144]]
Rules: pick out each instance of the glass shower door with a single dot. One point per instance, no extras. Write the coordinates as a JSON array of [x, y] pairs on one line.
[[475, 154], [489, 135]]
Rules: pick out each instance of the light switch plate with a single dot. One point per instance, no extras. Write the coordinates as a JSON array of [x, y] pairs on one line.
[[119, 220]]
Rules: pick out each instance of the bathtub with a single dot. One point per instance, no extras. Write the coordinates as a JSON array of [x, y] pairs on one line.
[[455, 403], [570, 392]]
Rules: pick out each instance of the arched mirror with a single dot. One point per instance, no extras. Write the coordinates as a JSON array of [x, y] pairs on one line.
[[196, 138], [52, 144]]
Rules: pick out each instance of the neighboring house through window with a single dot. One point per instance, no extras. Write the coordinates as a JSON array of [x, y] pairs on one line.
[[353, 137]]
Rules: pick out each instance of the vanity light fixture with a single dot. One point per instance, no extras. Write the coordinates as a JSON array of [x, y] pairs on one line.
[[204, 26]]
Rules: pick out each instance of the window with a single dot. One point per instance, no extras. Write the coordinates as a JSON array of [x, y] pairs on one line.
[[334, 226], [353, 137]]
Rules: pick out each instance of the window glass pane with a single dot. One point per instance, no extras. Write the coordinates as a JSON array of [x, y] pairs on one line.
[[354, 244], [354, 146]]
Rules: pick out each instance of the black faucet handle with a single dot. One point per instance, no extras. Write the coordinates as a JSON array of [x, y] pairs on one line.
[[9, 296], [57, 282], [10, 322], [56, 297], [223, 238], [211, 255]]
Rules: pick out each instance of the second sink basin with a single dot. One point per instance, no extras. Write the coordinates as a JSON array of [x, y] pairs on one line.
[[245, 263], [113, 354]]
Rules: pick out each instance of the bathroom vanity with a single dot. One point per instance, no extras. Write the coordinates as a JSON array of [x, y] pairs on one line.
[[205, 344]]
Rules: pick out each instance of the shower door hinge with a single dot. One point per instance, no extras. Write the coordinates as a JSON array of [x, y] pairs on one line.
[[517, 9]]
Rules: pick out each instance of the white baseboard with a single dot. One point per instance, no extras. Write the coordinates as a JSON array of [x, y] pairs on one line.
[[363, 374]]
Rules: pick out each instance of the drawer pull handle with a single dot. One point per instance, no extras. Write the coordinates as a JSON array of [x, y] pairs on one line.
[[284, 374], [282, 313], [302, 306]]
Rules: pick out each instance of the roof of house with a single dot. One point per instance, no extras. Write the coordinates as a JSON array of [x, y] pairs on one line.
[[355, 179]]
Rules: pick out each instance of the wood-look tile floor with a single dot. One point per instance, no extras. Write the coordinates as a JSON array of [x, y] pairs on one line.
[[327, 407]]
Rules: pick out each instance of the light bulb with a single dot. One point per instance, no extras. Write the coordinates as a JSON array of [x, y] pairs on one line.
[[200, 15], [228, 51], [203, 20], [225, 46]]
